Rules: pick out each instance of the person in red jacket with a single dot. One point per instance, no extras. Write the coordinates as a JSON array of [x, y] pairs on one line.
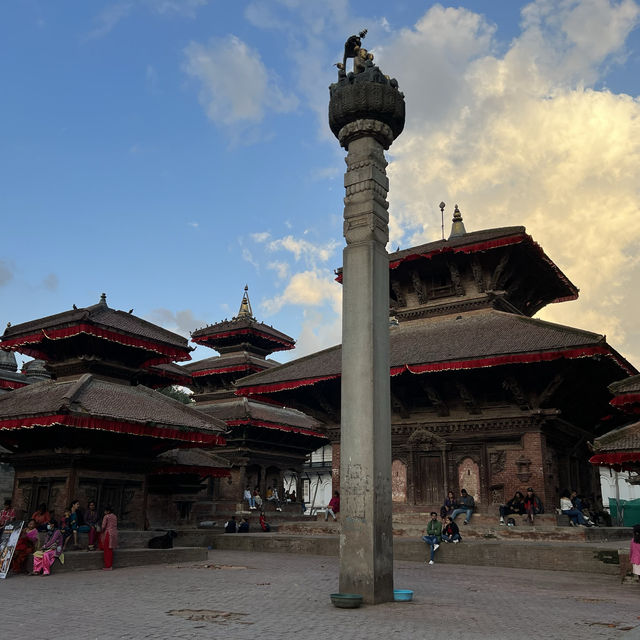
[[333, 507]]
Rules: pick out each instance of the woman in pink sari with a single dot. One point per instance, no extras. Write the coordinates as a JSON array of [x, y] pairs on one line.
[[110, 537], [51, 549]]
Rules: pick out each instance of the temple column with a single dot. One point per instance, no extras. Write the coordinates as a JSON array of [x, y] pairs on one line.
[[366, 541], [366, 113]]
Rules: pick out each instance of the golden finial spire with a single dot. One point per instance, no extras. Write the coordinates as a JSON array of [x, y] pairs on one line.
[[457, 228], [245, 305]]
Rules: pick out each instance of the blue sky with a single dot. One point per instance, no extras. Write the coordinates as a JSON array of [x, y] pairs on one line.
[[169, 151]]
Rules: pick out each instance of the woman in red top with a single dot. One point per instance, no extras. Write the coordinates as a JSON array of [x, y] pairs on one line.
[[42, 517], [333, 507], [110, 537]]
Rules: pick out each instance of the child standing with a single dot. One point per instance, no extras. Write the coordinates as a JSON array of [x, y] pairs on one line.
[[634, 552]]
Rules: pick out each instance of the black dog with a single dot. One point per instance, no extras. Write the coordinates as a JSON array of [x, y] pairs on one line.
[[163, 542]]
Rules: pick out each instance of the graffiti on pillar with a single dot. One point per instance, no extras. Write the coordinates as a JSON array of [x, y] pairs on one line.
[[398, 481], [469, 477], [355, 493]]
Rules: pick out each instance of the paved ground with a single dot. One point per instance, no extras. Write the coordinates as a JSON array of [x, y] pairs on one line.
[[244, 596]]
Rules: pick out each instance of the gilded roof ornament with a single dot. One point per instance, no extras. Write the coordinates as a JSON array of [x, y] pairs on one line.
[[245, 306], [457, 228]]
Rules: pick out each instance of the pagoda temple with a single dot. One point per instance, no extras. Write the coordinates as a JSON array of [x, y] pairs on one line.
[[92, 432], [266, 442], [619, 449], [483, 396]]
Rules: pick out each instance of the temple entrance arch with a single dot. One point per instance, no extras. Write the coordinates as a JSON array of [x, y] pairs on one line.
[[428, 451], [469, 477], [398, 481]]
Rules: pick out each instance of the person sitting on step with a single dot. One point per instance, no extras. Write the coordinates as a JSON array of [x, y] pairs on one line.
[[450, 531], [467, 505], [333, 507], [532, 505], [576, 518], [433, 536], [450, 504], [515, 505]]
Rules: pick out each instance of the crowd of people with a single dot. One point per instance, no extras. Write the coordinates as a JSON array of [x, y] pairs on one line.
[[45, 538], [580, 512]]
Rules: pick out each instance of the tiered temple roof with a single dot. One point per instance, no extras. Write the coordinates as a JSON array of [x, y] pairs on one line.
[[96, 356], [244, 342], [620, 448]]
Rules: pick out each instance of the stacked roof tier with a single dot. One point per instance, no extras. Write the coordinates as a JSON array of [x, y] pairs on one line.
[[96, 339]]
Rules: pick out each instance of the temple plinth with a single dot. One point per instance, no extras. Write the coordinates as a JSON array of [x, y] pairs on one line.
[[366, 113]]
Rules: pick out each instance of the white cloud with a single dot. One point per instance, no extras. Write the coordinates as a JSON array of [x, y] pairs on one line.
[[262, 236], [247, 256], [282, 269], [235, 86], [311, 288], [300, 248], [114, 13], [195, 225], [523, 138], [108, 18], [182, 322], [186, 8], [6, 273], [51, 282]]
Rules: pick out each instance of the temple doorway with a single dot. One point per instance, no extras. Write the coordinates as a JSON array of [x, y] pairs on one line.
[[430, 480]]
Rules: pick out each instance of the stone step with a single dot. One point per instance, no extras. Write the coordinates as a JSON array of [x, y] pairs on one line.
[[93, 560], [477, 531], [575, 557]]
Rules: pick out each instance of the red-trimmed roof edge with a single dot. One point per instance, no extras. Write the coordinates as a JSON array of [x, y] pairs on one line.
[[168, 353], [230, 369], [625, 399], [251, 422], [485, 246], [477, 363], [615, 458], [12, 384], [286, 344], [102, 424]]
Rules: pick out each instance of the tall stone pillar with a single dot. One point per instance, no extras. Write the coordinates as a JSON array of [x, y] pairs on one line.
[[366, 113]]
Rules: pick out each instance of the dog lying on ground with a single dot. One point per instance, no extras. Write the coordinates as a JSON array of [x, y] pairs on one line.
[[163, 542]]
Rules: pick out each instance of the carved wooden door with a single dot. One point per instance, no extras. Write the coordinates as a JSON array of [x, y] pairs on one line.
[[429, 486]]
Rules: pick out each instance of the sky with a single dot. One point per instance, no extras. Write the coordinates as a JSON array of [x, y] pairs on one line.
[[168, 152]]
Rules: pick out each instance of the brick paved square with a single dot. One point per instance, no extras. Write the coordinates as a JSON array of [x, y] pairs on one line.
[[245, 596]]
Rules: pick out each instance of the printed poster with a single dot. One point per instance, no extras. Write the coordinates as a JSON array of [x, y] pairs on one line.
[[8, 541]]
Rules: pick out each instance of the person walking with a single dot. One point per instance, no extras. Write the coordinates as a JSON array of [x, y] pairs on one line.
[[634, 552], [433, 536], [110, 537]]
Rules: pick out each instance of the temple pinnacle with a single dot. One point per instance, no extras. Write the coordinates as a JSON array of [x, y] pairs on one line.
[[245, 306], [457, 228]]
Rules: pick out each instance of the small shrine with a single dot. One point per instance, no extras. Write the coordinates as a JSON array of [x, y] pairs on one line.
[[92, 432], [267, 443]]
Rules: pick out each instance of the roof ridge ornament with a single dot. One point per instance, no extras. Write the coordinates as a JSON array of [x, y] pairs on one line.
[[457, 228], [245, 306], [103, 299]]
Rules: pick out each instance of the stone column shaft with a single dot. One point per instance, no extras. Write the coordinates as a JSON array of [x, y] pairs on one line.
[[366, 540]]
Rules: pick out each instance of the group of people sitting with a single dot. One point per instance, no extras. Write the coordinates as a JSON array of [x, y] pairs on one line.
[[233, 526], [455, 506], [446, 531], [47, 539], [520, 504], [581, 513]]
